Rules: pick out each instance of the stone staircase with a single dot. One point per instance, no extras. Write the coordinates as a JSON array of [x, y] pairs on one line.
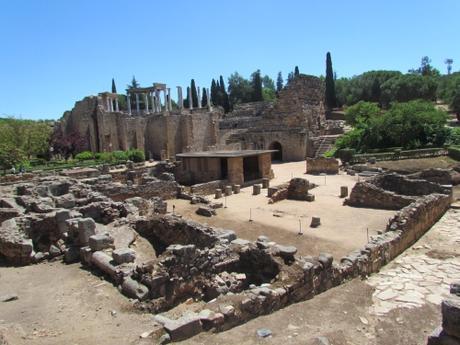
[[326, 143]]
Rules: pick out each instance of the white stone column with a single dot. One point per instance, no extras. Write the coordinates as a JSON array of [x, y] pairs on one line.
[[117, 108], [146, 100], [169, 99], [199, 96], [152, 100], [190, 100], [180, 100], [138, 108], [166, 99], [208, 94], [107, 103], [128, 100], [158, 99]]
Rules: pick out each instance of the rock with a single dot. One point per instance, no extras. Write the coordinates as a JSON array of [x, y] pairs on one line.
[[210, 319], [286, 252], [236, 188], [123, 255], [322, 341], [227, 310], [363, 320], [218, 193], [39, 257], [185, 327], [455, 288], [216, 205], [133, 289], [256, 189], [86, 229], [240, 242], [310, 197], [205, 211], [54, 251], [104, 262], [164, 339], [315, 222], [265, 182], [228, 190], [451, 316], [101, 241], [326, 260], [9, 297], [86, 255], [343, 191], [264, 332], [71, 255]]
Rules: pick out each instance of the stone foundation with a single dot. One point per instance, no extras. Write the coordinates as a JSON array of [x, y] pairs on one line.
[[322, 165]]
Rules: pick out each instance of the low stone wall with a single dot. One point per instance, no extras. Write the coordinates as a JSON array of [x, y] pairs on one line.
[[322, 165], [296, 189], [449, 332], [208, 187], [157, 188], [403, 185]]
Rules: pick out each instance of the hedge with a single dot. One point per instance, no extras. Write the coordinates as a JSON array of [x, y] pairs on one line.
[[454, 152]]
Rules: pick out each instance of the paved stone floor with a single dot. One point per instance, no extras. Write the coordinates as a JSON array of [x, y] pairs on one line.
[[423, 273]]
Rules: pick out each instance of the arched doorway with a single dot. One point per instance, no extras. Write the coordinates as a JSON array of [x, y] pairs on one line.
[[278, 155]]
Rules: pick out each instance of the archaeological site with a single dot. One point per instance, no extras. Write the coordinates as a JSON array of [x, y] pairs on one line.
[[235, 227]]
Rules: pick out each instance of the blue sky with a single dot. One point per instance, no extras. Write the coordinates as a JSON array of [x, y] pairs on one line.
[[55, 52]]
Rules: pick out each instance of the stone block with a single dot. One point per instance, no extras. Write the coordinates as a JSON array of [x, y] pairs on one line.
[[310, 197], [236, 188], [185, 327], [218, 193], [271, 191], [85, 255], [315, 222], [86, 229], [343, 191], [123, 255], [100, 241], [451, 316], [256, 189], [104, 262], [133, 289], [228, 190], [265, 182], [71, 255], [206, 211]]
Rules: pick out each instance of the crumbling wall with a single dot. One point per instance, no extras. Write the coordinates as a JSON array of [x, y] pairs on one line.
[[322, 165]]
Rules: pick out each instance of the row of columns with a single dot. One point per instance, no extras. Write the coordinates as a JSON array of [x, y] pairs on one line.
[[152, 101], [110, 102], [190, 105]]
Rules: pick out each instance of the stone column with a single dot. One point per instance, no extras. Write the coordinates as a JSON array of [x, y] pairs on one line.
[[199, 97], [137, 103], [169, 99], [107, 103], [128, 100], [180, 100], [158, 99], [152, 100], [166, 99], [117, 108], [190, 102], [208, 94], [146, 100]]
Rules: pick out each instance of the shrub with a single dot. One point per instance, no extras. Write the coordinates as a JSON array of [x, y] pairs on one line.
[[346, 155], [136, 155], [120, 155], [454, 152], [106, 157], [84, 156]]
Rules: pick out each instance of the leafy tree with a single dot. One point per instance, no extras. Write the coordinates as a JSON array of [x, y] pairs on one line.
[[296, 71], [10, 156], [114, 88], [361, 112], [331, 99], [449, 63], [290, 77], [240, 89], [448, 86], [425, 68], [134, 84], [455, 103], [67, 144], [256, 82], [268, 94], [268, 83], [194, 94], [279, 82], [408, 87]]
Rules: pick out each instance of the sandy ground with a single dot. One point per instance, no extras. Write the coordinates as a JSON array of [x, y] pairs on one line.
[[342, 229]]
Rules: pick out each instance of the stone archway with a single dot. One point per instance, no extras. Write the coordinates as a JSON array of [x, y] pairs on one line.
[[276, 156]]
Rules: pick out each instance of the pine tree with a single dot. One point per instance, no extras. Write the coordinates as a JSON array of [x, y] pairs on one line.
[[224, 100], [187, 99], [296, 71], [257, 94], [204, 98], [279, 82], [194, 94], [290, 77], [134, 84], [331, 100], [213, 92], [114, 88]]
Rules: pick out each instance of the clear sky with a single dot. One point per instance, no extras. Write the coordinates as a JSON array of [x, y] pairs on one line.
[[55, 52]]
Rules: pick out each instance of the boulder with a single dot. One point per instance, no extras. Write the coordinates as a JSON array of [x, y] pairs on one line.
[[100, 241], [133, 289], [206, 211], [123, 255], [185, 327], [451, 316]]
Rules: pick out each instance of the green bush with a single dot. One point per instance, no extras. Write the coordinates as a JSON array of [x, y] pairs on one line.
[[136, 155], [346, 155], [454, 152], [106, 157], [120, 155], [84, 156]]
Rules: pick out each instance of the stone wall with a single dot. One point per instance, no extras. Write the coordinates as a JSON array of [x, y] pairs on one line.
[[322, 165], [208, 188]]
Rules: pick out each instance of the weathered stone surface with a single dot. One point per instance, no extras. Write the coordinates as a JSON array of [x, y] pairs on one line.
[[123, 255], [451, 316], [343, 191], [100, 241], [322, 165], [315, 222], [133, 289], [206, 211], [86, 229], [256, 189], [218, 193], [183, 328]]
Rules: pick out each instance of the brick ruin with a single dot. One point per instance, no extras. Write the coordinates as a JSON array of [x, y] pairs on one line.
[[79, 220], [293, 124]]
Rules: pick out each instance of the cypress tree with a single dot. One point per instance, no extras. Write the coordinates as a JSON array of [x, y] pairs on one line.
[[257, 94], [194, 94], [114, 88], [279, 82], [224, 100], [296, 71], [213, 92], [187, 99], [204, 98], [331, 100]]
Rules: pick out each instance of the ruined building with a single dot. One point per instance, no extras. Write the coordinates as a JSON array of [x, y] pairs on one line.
[[293, 124]]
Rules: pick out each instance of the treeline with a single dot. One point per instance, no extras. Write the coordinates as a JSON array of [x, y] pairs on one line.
[[21, 140]]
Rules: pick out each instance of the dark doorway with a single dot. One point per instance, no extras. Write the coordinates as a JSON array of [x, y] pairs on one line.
[[276, 156], [251, 168], [223, 168]]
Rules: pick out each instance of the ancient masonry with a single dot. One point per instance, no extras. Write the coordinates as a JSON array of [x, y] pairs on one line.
[[95, 219], [293, 124]]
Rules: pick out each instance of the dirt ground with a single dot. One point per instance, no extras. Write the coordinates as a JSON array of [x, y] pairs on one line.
[[413, 165], [342, 229]]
